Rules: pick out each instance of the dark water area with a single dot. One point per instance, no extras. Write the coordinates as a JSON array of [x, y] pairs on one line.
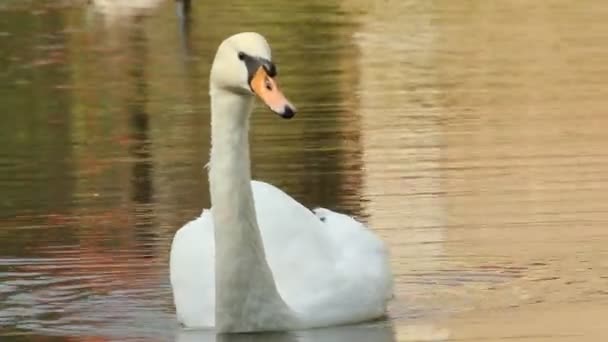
[[469, 135]]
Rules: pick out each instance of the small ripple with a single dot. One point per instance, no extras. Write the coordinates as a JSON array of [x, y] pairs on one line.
[[72, 293]]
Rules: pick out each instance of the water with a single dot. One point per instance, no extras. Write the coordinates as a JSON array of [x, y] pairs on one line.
[[470, 135]]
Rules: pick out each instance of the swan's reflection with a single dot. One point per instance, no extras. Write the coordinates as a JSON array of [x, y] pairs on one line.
[[376, 332]]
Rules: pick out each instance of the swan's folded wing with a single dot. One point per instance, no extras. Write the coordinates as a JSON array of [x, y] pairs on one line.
[[364, 262], [192, 265], [322, 260]]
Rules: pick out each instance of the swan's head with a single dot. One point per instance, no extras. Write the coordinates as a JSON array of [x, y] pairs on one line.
[[243, 65]]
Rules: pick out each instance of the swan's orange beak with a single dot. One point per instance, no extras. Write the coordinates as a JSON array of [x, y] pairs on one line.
[[268, 91]]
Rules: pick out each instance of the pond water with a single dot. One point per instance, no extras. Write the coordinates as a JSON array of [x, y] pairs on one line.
[[470, 135]]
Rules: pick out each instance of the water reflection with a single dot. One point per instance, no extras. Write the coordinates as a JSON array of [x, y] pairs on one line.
[[184, 9], [399, 116], [381, 331], [142, 191], [114, 12], [377, 332]]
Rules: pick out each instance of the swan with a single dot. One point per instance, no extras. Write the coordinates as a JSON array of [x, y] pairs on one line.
[[258, 260]]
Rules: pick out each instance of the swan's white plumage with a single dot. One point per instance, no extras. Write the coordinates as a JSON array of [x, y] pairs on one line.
[[328, 267]]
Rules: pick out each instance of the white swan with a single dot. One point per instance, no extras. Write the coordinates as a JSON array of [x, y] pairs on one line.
[[259, 260]]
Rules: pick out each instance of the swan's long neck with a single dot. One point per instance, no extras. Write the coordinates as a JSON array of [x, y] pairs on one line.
[[246, 296]]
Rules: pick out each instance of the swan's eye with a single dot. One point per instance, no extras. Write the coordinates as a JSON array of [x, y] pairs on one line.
[[267, 83], [241, 55]]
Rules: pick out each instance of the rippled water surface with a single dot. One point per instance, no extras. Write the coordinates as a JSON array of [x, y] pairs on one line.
[[470, 135]]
